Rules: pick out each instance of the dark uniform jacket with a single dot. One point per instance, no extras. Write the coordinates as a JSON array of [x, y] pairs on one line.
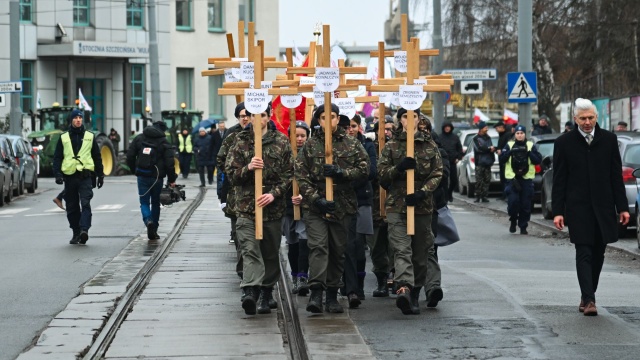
[[587, 185], [481, 150], [428, 172], [348, 154], [276, 174], [227, 193], [165, 160], [203, 147], [77, 135], [364, 188]]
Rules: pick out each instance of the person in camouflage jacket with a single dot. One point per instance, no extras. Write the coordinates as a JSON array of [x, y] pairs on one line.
[[260, 258], [410, 251], [327, 221]]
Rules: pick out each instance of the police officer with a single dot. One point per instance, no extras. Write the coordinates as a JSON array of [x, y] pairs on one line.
[[410, 250], [327, 221], [260, 257], [76, 163], [151, 158], [185, 152], [520, 156]]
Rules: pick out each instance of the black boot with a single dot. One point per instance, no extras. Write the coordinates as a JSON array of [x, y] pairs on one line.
[[383, 289], [415, 296], [512, 228], [403, 301], [263, 301], [331, 303], [303, 287], [354, 301], [434, 297], [360, 290], [250, 298], [268, 291], [75, 238], [315, 301]]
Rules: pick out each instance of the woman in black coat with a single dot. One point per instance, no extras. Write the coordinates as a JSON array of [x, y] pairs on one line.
[[588, 193]]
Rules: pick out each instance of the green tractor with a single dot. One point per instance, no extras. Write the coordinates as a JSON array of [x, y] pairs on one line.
[[177, 120], [53, 122]]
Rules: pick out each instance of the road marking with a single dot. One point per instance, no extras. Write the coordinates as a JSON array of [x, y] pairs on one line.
[[13, 211], [6, 216], [103, 211], [45, 214], [54, 210], [110, 207]]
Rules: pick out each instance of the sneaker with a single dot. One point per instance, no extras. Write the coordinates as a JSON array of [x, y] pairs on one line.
[[59, 203], [232, 242], [84, 236]]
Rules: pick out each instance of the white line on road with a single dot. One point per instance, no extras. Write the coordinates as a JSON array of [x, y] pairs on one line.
[[110, 207], [13, 211]]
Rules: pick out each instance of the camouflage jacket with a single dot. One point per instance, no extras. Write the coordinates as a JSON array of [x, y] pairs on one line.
[[221, 158], [276, 174], [348, 154], [427, 176]]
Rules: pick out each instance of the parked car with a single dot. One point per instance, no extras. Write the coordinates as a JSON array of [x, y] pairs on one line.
[[6, 172], [466, 136], [26, 161], [467, 167], [629, 146], [545, 147]]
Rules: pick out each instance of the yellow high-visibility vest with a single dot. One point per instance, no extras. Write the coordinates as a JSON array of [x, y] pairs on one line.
[[508, 171], [83, 161], [182, 144]]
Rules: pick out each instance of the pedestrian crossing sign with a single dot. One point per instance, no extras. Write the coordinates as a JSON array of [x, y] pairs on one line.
[[522, 87]]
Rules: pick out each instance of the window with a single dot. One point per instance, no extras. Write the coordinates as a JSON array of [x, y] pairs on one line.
[[26, 76], [137, 89], [135, 13], [183, 14], [184, 86], [246, 13], [26, 11], [81, 12], [216, 102], [214, 13]]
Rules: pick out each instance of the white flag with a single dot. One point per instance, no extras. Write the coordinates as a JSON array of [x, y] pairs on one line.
[[83, 102], [38, 102], [298, 58], [149, 106]]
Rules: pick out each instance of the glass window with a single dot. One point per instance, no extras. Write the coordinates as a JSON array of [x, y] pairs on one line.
[[138, 89], [246, 12], [26, 11], [214, 13], [184, 87], [26, 76], [216, 102], [183, 14], [81, 12], [135, 13]]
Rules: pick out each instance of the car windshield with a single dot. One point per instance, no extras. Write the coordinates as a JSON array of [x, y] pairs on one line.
[[52, 120], [545, 148], [632, 155]]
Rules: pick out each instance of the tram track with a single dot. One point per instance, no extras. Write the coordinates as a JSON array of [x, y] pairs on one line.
[[297, 344]]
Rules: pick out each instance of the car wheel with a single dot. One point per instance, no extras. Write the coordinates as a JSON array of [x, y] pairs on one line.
[[32, 188], [9, 193], [21, 187], [1, 197], [35, 187], [543, 203], [16, 191]]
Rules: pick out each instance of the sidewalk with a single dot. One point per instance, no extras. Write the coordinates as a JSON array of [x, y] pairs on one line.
[[627, 245]]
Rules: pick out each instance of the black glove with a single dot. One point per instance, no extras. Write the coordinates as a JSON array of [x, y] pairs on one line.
[[333, 171], [326, 206], [415, 198], [59, 181], [406, 164], [100, 181]]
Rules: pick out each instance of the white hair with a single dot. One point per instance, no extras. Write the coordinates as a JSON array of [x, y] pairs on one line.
[[584, 105]]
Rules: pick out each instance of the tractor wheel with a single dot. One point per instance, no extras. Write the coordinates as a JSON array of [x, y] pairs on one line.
[[107, 153]]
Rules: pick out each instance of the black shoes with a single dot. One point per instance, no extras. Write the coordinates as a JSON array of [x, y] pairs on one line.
[[523, 231], [331, 303], [315, 301], [512, 228], [303, 287], [382, 290], [75, 239], [84, 236], [152, 231], [485, 200], [403, 301], [249, 300], [263, 302], [354, 301], [434, 297], [415, 296], [202, 185], [477, 200]]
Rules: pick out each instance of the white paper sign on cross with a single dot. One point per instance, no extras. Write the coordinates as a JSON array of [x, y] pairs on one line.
[[347, 106], [256, 100], [327, 79]]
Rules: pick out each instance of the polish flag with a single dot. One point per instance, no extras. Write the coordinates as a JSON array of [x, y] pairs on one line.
[[479, 115], [510, 118]]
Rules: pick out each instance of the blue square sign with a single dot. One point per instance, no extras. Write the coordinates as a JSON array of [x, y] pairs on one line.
[[522, 87]]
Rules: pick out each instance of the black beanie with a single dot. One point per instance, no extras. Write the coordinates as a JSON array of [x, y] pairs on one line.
[[239, 108]]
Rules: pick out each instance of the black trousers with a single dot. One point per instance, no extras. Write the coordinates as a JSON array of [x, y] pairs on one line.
[[589, 261], [209, 171], [78, 192], [453, 178]]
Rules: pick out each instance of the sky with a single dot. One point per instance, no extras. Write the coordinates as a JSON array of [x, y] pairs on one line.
[[353, 22]]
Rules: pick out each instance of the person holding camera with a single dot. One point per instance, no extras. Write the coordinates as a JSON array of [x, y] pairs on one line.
[[151, 157], [76, 163], [520, 157]]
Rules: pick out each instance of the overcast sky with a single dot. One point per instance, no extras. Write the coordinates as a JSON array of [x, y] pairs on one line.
[[353, 22]]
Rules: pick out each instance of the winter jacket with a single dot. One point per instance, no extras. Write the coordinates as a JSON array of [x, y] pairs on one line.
[[451, 143], [165, 159], [203, 147], [481, 150]]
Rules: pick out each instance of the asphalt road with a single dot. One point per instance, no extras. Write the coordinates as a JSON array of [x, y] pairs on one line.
[[509, 296], [39, 271]]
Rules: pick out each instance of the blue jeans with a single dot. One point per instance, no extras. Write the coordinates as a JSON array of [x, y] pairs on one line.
[[78, 193], [150, 193]]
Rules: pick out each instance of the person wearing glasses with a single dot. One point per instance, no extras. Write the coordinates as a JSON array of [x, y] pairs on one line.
[[588, 196]]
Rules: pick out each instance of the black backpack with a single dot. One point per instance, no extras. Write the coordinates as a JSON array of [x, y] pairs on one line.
[[520, 159], [147, 160]]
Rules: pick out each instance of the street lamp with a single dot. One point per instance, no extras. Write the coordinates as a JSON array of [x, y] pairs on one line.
[[183, 105]]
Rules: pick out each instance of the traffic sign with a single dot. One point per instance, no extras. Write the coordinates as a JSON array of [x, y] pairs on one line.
[[11, 87], [471, 87], [472, 74], [522, 87]]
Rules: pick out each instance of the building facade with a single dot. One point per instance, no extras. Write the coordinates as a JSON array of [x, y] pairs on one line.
[[101, 48]]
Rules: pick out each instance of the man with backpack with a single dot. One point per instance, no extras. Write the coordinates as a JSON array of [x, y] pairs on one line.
[[520, 156], [151, 157]]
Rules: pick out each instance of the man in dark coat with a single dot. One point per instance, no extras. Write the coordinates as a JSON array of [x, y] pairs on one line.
[[483, 153], [203, 147], [450, 142], [542, 127], [588, 191]]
